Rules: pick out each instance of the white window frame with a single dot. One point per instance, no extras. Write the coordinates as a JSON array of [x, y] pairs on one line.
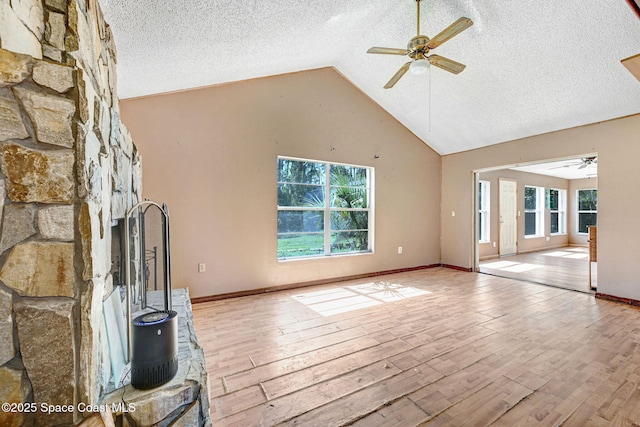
[[484, 211], [328, 209], [561, 211], [538, 211], [579, 211]]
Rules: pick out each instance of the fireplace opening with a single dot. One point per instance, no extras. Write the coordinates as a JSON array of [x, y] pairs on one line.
[[117, 253]]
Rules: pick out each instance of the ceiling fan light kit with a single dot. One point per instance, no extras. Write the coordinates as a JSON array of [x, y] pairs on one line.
[[420, 45], [419, 66]]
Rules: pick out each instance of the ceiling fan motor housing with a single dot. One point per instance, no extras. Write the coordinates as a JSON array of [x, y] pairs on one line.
[[418, 43]]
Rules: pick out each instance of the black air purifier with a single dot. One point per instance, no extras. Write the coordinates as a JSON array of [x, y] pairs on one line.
[[154, 357]]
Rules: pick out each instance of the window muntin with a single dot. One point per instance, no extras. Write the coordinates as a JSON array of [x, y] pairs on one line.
[[587, 209], [557, 211], [533, 211], [484, 211], [310, 226]]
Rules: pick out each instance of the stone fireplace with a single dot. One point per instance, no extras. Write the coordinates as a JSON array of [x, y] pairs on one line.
[[69, 171]]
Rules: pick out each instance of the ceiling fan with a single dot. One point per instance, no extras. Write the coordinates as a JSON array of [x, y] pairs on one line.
[[582, 163], [418, 48]]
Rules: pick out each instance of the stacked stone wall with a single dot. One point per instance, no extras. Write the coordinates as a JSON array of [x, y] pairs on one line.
[[68, 170]]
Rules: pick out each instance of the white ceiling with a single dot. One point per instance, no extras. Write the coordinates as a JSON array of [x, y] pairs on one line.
[[532, 66]]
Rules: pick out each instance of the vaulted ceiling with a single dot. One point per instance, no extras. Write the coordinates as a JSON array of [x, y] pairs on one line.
[[532, 66]]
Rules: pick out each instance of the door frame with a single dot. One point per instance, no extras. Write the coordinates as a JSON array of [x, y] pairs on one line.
[[475, 247], [476, 173]]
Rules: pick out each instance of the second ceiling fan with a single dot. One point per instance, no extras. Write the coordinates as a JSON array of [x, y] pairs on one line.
[[418, 48]]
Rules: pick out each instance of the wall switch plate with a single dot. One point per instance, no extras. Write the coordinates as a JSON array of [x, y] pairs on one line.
[[399, 249], [202, 267]]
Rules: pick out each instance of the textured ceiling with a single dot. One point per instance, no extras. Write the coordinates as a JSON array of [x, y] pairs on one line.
[[532, 66]]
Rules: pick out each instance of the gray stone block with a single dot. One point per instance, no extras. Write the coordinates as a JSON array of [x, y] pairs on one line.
[[51, 116], [56, 222], [54, 76], [18, 225], [11, 124], [7, 350], [46, 334]]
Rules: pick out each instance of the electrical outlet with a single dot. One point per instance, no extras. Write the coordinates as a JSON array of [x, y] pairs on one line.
[[202, 267], [399, 249]]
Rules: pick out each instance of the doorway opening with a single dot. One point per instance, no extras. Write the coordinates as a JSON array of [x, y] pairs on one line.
[[533, 222]]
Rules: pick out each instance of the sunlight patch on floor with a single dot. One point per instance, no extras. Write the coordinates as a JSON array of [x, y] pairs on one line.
[[567, 254], [511, 266], [355, 297], [558, 253], [521, 268], [499, 264]]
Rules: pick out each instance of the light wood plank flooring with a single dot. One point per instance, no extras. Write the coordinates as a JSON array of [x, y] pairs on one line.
[[432, 347], [566, 267]]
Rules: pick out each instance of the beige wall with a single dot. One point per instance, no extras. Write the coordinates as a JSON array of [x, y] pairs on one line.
[[210, 154], [617, 144], [525, 244]]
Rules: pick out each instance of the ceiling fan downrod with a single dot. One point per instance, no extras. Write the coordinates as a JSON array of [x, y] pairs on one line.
[[418, 17]]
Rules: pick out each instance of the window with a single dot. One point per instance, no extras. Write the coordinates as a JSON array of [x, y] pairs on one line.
[[558, 209], [587, 209], [483, 211], [323, 208], [533, 211]]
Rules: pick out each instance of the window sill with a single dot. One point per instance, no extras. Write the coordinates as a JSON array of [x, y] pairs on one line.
[[534, 237], [325, 257]]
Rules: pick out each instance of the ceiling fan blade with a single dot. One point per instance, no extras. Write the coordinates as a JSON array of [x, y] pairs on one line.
[[397, 76], [582, 166], [452, 30], [568, 165], [388, 51], [446, 64]]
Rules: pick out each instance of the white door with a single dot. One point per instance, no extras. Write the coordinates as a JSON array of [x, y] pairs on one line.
[[508, 217]]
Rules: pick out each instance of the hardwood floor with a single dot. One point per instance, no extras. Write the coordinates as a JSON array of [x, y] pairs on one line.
[[566, 268], [433, 347]]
